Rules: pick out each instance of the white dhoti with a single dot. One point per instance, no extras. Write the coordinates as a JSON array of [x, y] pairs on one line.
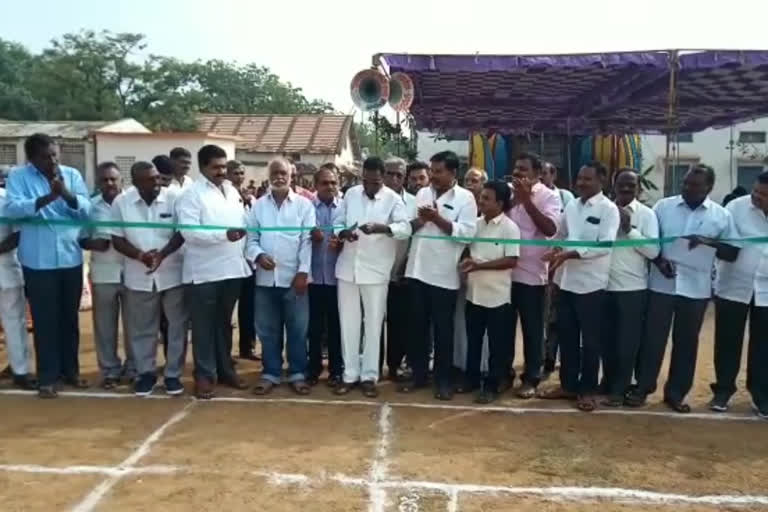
[[361, 304], [13, 314]]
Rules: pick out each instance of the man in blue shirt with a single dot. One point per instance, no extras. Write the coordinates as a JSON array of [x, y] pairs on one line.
[[323, 305], [51, 257]]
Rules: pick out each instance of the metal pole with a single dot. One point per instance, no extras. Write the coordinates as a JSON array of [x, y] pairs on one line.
[[568, 149], [730, 160], [671, 119]]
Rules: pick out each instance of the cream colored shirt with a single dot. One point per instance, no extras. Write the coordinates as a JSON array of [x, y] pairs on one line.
[[10, 268], [209, 255], [629, 265], [492, 288], [106, 267]]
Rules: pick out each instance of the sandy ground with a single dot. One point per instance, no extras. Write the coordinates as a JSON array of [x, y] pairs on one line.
[[409, 453]]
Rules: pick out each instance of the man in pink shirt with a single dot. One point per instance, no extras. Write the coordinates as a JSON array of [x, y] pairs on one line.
[[536, 211]]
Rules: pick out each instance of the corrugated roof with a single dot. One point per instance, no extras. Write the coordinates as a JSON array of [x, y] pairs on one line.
[[308, 134], [67, 129]]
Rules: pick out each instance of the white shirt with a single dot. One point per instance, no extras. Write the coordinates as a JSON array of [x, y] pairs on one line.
[[596, 220], [693, 268], [130, 207], [106, 267], [11, 275], [565, 196], [491, 288], [434, 261], [369, 260], [209, 255], [291, 249], [401, 252], [181, 187], [747, 277], [629, 265]]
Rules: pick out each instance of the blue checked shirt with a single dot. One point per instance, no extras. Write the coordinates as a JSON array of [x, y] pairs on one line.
[[324, 258]]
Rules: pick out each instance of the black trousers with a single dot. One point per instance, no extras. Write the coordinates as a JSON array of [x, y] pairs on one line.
[[730, 322], [397, 327], [211, 306], [496, 322], [54, 299], [578, 328], [435, 307], [622, 333], [245, 316], [324, 327], [551, 344], [528, 304], [688, 315]]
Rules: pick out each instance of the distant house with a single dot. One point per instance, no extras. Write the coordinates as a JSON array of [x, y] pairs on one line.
[[310, 139], [76, 139]]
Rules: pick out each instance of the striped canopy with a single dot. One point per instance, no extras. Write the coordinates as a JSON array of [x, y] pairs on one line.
[[588, 93]]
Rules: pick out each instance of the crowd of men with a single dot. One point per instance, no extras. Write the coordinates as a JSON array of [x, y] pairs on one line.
[[407, 270]]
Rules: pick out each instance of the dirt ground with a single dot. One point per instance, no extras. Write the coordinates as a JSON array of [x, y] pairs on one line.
[[113, 452]]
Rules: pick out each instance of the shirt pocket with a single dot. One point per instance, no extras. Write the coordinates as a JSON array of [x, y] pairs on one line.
[[590, 229]]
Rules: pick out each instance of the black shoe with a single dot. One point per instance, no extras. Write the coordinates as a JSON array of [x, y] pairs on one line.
[[719, 402], [677, 405], [145, 384], [25, 382], [312, 380], [173, 386], [110, 383], [444, 392], [334, 380], [47, 392]]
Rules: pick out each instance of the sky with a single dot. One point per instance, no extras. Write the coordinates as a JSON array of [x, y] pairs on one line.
[[319, 45]]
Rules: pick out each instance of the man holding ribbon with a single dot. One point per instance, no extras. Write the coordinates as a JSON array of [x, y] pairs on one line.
[[51, 257], [680, 286], [214, 266]]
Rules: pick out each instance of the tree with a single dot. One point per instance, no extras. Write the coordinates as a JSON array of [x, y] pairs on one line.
[[381, 137], [98, 76]]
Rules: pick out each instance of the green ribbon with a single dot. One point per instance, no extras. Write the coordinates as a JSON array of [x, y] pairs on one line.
[[508, 241]]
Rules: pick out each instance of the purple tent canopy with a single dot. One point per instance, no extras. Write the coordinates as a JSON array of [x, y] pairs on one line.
[[588, 93]]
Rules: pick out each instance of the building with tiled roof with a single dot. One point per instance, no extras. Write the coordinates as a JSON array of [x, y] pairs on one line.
[[311, 139]]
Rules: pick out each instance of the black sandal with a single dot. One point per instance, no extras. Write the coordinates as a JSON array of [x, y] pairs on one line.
[[486, 396], [680, 407], [368, 388], [342, 388], [613, 401], [635, 399], [264, 387], [586, 403]]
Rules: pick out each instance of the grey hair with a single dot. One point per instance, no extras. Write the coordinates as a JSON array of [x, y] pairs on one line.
[[397, 163]]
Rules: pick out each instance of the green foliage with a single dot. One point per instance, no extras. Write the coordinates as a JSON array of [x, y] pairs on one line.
[[383, 138], [102, 75]]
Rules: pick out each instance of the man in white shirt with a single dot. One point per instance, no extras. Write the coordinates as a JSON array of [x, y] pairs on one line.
[[741, 289], [214, 266], [373, 215], [182, 163], [13, 304], [548, 178], [583, 277], [444, 210], [152, 277], [416, 176], [626, 295], [397, 295], [488, 267], [107, 281], [680, 286], [283, 257]]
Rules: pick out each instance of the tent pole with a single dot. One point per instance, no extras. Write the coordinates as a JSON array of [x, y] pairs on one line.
[[671, 118], [568, 149]]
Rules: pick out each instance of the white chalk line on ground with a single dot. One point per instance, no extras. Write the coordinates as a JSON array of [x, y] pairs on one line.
[[380, 464], [416, 405], [450, 490], [88, 470], [97, 494]]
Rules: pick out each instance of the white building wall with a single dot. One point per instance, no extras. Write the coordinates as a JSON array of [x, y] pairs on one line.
[[710, 147], [122, 148]]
